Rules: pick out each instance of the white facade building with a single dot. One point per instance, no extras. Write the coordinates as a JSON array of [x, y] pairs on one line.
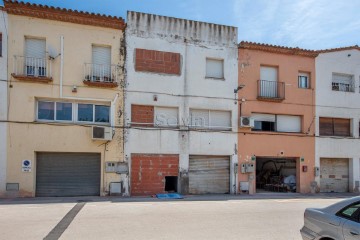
[[3, 96], [337, 120], [181, 116]]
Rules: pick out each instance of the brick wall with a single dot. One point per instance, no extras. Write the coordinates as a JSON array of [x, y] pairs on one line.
[[142, 114], [148, 172], [157, 61]]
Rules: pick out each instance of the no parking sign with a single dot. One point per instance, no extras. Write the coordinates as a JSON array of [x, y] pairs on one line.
[[26, 165]]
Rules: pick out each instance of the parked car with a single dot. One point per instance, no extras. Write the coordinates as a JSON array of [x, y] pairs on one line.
[[340, 221]]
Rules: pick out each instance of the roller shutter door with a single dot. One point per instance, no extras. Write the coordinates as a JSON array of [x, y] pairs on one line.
[[334, 175], [68, 174], [209, 174]]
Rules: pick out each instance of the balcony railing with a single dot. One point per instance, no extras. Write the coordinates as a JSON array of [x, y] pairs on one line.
[[271, 90], [32, 68], [103, 74], [343, 87]]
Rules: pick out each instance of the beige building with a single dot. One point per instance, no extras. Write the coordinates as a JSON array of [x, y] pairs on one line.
[[65, 95]]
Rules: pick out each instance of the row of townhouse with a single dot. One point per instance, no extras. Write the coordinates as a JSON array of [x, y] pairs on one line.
[[93, 106]]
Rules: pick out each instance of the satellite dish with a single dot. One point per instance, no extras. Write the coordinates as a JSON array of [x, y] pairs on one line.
[[52, 52]]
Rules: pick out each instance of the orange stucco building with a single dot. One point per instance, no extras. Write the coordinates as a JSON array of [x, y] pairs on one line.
[[277, 110]]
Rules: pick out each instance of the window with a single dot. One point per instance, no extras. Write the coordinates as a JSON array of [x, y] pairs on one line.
[[350, 212], [101, 60], [210, 119], [304, 80], [214, 68], [58, 111], [264, 122], [335, 127], [64, 111], [277, 123], [1, 44], [269, 86], [166, 117], [35, 57], [343, 82], [93, 113]]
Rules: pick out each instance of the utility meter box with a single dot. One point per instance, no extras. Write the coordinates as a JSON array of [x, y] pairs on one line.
[[250, 167], [317, 171]]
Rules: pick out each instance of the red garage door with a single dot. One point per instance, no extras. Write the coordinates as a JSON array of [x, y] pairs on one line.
[[150, 173]]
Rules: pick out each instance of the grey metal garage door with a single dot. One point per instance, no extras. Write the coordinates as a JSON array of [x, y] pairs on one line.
[[334, 175], [68, 174], [209, 174]]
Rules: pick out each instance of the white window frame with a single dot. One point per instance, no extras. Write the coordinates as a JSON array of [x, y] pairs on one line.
[[74, 115], [220, 128], [54, 120], [307, 75], [223, 68]]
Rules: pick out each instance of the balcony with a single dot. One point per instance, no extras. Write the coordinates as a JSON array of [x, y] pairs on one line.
[[343, 87], [32, 69], [271, 91], [100, 75]]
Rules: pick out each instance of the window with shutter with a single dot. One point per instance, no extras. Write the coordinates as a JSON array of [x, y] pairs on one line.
[[264, 122], [199, 118], [166, 116], [210, 119], [220, 119], [335, 127], [286, 123], [214, 68], [35, 57], [101, 60]]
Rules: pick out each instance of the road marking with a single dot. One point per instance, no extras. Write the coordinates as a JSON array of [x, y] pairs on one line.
[[60, 228]]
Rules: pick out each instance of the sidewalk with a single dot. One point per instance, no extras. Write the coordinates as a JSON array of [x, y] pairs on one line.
[[219, 197]]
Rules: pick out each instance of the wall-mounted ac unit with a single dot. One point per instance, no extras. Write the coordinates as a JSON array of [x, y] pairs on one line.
[[247, 122], [102, 133]]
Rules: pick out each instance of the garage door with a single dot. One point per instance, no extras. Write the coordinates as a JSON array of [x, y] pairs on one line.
[[334, 175], [67, 174], [209, 174]]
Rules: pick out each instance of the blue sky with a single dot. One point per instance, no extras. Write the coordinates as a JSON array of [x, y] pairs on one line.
[[311, 24]]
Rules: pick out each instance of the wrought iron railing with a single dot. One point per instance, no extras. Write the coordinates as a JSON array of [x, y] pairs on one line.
[[343, 87], [271, 90], [32, 66], [101, 73]]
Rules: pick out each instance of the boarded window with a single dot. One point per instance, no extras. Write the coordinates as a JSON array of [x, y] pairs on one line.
[[166, 116], [214, 68], [286, 123], [335, 127], [157, 61], [142, 116]]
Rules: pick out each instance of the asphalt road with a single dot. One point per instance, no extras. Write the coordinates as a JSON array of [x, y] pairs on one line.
[[196, 218]]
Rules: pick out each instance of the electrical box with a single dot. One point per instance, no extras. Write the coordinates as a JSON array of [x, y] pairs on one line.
[[116, 167], [244, 186], [317, 171], [115, 188], [110, 167], [250, 167], [236, 166], [243, 168], [304, 168]]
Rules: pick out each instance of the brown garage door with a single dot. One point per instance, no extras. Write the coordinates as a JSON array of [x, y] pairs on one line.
[[334, 175], [209, 174]]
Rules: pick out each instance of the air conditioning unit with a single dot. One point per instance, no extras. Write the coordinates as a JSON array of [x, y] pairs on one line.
[[247, 122], [102, 133]]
